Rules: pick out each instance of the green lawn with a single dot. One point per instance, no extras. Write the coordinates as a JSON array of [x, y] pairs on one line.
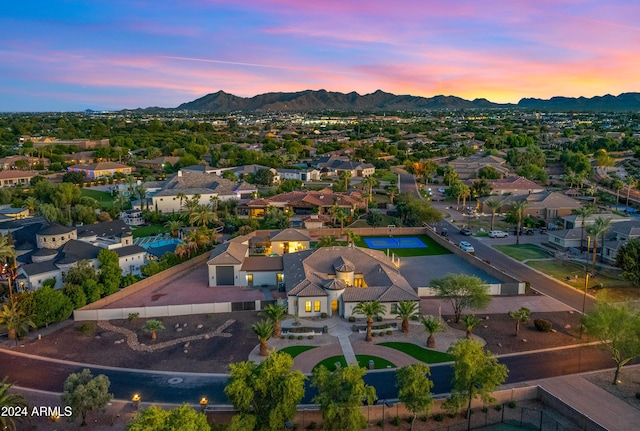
[[386, 221], [105, 198], [294, 351], [386, 175], [419, 353], [433, 248], [522, 251], [363, 361], [142, 231]]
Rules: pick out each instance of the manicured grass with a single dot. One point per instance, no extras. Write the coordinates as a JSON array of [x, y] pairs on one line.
[[573, 273], [363, 361], [386, 175], [386, 221], [419, 353], [433, 248], [105, 198], [522, 251], [294, 351], [142, 231]]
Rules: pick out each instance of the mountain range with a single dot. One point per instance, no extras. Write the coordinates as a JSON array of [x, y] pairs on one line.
[[322, 100]]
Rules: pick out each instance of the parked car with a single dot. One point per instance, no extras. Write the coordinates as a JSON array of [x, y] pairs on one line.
[[498, 234], [441, 190], [465, 231], [466, 246]]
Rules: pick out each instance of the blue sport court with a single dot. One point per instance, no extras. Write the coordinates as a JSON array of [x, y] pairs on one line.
[[410, 242]]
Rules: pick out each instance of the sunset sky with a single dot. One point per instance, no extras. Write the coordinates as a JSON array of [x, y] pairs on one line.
[[71, 55]]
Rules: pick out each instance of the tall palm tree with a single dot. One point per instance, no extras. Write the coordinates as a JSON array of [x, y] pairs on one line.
[[405, 310], [465, 192], [584, 213], [174, 227], [470, 321], [15, 319], [341, 217], [153, 326], [327, 241], [202, 215], [599, 228], [631, 182], [214, 202], [352, 237], [31, 204], [617, 185], [520, 316], [275, 313], [432, 325], [369, 182], [13, 402], [8, 258], [517, 209], [494, 205], [371, 310], [263, 330], [344, 176], [181, 196], [181, 250]]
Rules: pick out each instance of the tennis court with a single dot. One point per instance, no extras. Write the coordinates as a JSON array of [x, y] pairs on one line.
[[391, 242]]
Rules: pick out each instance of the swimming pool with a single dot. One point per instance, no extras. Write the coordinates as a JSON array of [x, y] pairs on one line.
[[384, 242]]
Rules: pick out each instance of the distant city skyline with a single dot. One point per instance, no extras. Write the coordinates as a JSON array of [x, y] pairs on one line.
[[63, 55]]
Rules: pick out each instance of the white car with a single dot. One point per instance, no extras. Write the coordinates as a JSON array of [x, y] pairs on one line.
[[466, 246], [498, 234]]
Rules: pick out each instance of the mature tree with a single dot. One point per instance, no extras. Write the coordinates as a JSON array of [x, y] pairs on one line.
[[275, 218], [374, 219], [631, 183], [50, 306], [432, 326], [74, 177], [415, 212], [352, 237], [584, 213], [489, 173], [414, 389], [265, 395], [341, 217], [470, 321], [76, 294], [181, 418], [11, 401], [80, 272], [327, 241], [520, 316], [464, 291], [517, 211], [84, 393], [369, 183], [494, 206], [174, 227], [263, 329], [340, 396], [628, 260], [263, 177], [345, 176], [181, 197], [617, 327], [202, 215], [50, 212], [152, 326], [599, 228], [31, 204], [275, 313], [476, 372], [405, 310], [110, 271], [371, 310], [617, 185], [92, 290], [15, 319]]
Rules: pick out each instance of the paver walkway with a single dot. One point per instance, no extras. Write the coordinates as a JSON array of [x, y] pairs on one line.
[[594, 402]]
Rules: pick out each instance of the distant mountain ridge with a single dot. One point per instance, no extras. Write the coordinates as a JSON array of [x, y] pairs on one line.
[[322, 100]]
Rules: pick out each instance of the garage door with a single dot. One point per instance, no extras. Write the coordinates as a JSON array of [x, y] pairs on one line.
[[224, 275]]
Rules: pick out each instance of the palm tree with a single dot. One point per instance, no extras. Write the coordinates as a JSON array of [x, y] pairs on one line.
[[494, 205], [631, 182], [393, 191], [617, 185], [344, 176], [120, 201], [341, 217], [369, 183], [371, 309], [599, 228], [517, 209], [465, 192], [174, 227], [16, 321], [432, 326], [327, 241], [263, 330], [214, 202], [181, 250], [153, 326], [405, 310], [352, 237], [13, 402], [584, 213], [31, 204], [470, 320], [202, 215], [275, 313], [181, 196], [192, 240], [8, 258], [141, 191], [450, 176], [520, 316]]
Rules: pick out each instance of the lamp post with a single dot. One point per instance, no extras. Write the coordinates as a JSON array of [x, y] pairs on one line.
[[135, 401], [203, 404]]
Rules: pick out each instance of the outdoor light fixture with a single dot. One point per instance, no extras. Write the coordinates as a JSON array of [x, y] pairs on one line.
[[135, 400], [203, 403]]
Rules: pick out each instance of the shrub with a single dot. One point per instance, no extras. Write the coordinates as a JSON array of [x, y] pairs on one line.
[[498, 407], [373, 334], [542, 325], [396, 421], [291, 337], [438, 417], [511, 404], [323, 315], [352, 319], [88, 328], [299, 337], [379, 318], [310, 337], [389, 332], [133, 316]]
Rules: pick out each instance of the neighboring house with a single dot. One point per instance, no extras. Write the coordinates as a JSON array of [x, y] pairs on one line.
[[82, 144], [46, 252], [207, 186], [550, 205], [329, 280], [80, 158], [132, 217], [619, 234], [241, 171], [333, 165], [468, 167], [574, 221], [515, 186], [16, 178], [101, 169], [283, 241], [21, 162], [310, 221], [566, 238], [13, 213], [309, 174], [159, 163], [303, 203]]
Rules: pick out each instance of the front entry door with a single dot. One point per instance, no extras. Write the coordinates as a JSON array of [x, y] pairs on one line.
[[334, 307]]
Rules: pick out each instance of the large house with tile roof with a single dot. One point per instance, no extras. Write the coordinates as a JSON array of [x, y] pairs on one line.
[[101, 169], [469, 167], [619, 234], [329, 280], [545, 205], [515, 186], [205, 185]]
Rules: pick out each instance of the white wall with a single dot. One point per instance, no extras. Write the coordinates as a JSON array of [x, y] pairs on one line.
[[259, 277], [135, 260], [237, 280]]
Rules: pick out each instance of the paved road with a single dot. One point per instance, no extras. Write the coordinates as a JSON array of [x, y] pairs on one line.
[[164, 387], [407, 182]]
